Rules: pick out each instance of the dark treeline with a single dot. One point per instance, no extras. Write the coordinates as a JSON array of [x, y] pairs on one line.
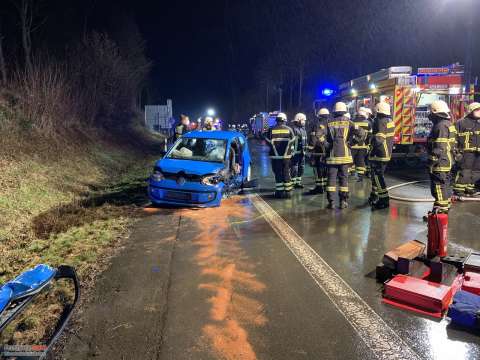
[[69, 67]]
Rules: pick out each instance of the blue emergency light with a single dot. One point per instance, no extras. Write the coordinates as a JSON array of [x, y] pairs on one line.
[[327, 92]]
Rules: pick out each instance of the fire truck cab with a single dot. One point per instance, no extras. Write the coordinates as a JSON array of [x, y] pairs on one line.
[[409, 96]]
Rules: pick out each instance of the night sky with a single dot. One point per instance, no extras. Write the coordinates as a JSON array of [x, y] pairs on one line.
[[219, 52]]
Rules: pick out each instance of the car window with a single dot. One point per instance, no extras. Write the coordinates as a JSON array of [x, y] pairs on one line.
[[199, 149]]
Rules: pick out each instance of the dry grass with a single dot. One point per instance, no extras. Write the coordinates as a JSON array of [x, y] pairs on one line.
[[73, 210]]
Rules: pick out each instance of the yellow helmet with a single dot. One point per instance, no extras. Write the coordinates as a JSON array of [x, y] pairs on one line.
[[340, 107], [383, 108], [473, 107], [323, 111], [440, 108], [300, 117]]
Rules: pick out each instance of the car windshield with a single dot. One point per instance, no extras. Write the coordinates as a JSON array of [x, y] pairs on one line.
[[199, 150]]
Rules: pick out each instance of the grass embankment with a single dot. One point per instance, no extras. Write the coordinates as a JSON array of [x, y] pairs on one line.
[[72, 208]]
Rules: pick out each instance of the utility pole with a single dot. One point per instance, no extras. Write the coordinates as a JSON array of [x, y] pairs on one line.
[[280, 94], [468, 56]]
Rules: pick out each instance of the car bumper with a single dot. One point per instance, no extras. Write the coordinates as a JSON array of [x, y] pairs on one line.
[[192, 195]]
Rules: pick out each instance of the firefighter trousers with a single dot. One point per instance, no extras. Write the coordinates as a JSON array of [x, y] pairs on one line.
[[440, 187], [297, 168], [340, 173], [281, 170], [320, 170], [359, 157], [468, 174], [379, 186]]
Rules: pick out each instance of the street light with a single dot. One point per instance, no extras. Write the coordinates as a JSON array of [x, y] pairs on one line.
[[211, 112]]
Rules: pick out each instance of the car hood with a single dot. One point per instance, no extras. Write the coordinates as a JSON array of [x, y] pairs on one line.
[[189, 167]]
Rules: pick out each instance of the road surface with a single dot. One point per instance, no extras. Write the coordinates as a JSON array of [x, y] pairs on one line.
[[261, 278]]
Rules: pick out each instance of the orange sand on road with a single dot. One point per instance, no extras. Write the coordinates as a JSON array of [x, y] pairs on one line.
[[228, 275]]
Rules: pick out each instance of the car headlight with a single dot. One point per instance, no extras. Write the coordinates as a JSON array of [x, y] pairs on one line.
[[212, 179], [157, 175]]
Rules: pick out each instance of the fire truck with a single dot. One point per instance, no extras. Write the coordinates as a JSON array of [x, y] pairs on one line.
[[410, 95], [260, 123]]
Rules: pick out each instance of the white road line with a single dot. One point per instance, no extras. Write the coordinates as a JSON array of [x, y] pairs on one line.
[[372, 329]]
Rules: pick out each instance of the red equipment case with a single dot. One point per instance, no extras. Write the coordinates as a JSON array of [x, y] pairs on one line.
[[471, 283], [418, 293]]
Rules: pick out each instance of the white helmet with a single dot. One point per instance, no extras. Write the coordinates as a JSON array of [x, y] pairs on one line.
[[323, 111], [300, 117], [383, 108], [208, 120], [473, 107], [440, 108], [281, 117], [340, 107], [362, 111]]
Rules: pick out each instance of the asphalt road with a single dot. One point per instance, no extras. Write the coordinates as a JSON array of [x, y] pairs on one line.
[[260, 278]]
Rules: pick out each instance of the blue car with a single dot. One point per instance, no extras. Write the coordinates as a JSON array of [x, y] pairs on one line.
[[200, 168]]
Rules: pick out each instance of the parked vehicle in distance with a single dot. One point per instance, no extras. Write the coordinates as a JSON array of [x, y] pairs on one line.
[[200, 168]]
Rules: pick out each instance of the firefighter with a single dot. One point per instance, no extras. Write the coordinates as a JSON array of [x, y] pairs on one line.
[[208, 124], [338, 158], [360, 150], [441, 151], [183, 127], [468, 138], [281, 140], [383, 131], [316, 141], [297, 166]]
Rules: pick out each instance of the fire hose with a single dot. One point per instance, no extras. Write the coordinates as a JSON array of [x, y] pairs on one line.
[[407, 199]]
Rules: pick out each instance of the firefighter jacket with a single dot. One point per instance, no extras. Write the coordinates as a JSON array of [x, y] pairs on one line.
[[340, 131], [281, 140], [363, 123], [300, 145], [468, 135], [180, 130], [441, 145], [383, 131], [317, 138]]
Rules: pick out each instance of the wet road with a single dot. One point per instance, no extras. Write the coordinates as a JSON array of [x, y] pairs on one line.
[[260, 278]]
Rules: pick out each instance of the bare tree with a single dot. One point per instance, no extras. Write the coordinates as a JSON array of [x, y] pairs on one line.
[[28, 11], [3, 66]]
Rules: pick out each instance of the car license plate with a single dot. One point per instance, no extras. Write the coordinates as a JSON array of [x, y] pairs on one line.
[[176, 195]]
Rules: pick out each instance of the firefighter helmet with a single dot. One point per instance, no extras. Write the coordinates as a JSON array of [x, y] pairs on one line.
[[340, 107], [281, 117], [300, 117], [208, 120], [473, 107], [440, 108], [323, 112], [362, 111], [383, 108]]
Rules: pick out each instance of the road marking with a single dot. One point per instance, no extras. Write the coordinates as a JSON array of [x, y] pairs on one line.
[[385, 343]]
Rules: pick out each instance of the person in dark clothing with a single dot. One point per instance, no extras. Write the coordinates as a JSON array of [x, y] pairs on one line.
[[183, 127], [317, 141], [340, 131], [297, 166], [360, 150], [468, 139], [281, 140], [441, 153], [383, 131]]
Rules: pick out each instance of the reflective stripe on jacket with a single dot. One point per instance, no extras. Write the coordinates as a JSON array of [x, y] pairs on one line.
[[383, 131], [281, 140]]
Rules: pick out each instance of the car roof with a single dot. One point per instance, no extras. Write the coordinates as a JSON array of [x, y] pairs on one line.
[[220, 135]]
